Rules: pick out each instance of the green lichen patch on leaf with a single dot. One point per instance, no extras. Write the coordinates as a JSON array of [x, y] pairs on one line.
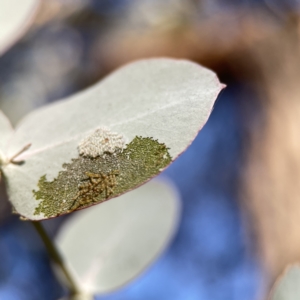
[[89, 180]]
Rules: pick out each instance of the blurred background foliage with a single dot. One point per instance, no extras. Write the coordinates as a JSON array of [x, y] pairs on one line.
[[239, 180]]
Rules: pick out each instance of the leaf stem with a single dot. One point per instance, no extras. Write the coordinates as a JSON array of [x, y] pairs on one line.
[[56, 257]]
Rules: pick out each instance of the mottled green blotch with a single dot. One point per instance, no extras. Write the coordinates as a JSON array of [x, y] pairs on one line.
[[86, 181]]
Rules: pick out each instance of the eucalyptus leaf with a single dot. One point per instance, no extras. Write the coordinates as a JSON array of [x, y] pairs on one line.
[[6, 131], [112, 243], [108, 139], [79, 297], [288, 286], [15, 17]]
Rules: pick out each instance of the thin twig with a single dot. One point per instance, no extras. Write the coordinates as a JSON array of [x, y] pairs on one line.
[[56, 257]]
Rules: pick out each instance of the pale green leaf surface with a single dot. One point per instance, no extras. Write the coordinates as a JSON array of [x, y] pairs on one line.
[[6, 132], [111, 244], [15, 17], [165, 99], [288, 287]]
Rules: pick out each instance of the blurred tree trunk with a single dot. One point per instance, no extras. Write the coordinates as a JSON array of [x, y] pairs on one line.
[[272, 181]]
